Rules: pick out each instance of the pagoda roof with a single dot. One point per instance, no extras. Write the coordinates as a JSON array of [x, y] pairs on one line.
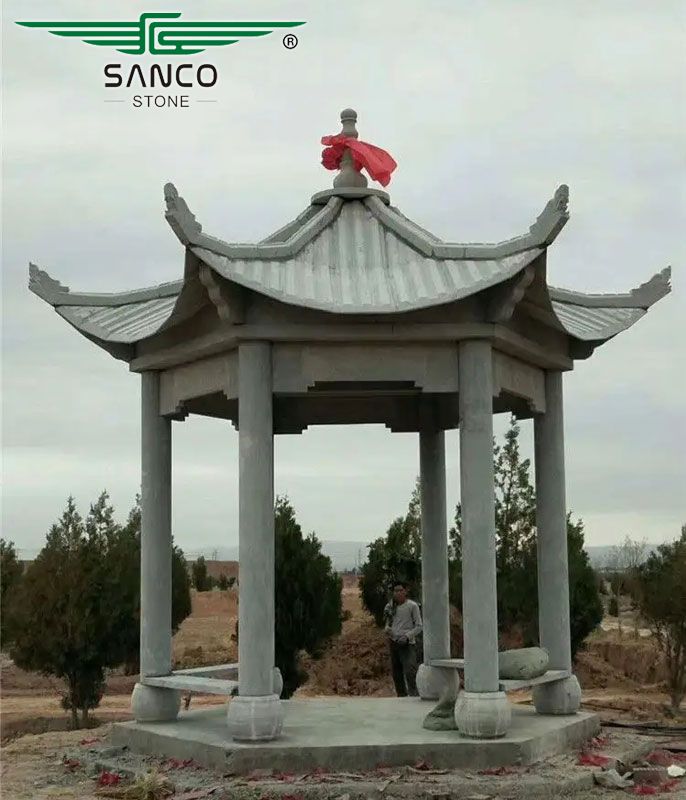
[[350, 252], [348, 255]]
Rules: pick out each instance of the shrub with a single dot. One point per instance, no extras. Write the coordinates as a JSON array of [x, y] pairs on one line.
[[10, 574], [392, 558], [397, 556], [76, 612], [61, 614], [201, 580], [662, 600], [307, 594]]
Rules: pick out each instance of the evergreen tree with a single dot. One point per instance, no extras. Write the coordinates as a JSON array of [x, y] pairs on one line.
[[125, 553], [222, 582], [201, 580], [662, 600], [61, 625], [77, 610], [585, 603], [307, 595], [10, 575], [392, 558], [516, 559], [181, 588], [397, 556]]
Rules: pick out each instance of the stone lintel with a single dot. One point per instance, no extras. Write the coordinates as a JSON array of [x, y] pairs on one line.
[[503, 338], [397, 384]]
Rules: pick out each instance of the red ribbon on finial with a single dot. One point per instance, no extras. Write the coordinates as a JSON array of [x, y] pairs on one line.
[[378, 163]]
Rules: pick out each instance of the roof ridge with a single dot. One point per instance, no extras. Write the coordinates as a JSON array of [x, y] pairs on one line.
[[189, 231], [541, 233]]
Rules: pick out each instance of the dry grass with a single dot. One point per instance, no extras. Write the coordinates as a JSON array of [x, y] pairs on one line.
[[205, 636]]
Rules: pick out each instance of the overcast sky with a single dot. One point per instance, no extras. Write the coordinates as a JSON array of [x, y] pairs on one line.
[[487, 107]]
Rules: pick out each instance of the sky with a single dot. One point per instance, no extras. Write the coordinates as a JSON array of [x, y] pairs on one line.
[[487, 107]]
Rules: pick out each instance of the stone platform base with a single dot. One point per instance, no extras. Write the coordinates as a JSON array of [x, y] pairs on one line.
[[352, 734]]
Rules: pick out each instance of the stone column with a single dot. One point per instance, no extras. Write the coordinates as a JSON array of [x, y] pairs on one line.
[[152, 704], [481, 711], [431, 681], [563, 697], [256, 713]]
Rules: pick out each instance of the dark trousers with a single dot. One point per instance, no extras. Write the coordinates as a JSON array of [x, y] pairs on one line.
[[404, 667]]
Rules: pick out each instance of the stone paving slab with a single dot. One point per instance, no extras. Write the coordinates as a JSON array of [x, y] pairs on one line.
[[355, 734]]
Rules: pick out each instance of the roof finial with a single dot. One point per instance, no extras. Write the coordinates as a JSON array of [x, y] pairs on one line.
[[348, 175]]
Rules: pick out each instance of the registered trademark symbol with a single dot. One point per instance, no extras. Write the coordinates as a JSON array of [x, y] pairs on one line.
[[290, 40]]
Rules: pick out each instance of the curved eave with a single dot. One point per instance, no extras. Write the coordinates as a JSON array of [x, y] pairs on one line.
[[596, 318], [117, 321], [125, 324], [288, 241]]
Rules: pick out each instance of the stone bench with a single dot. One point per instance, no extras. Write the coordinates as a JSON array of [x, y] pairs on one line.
[[215, 671], [550, 676], [216, 679], [198, 684]]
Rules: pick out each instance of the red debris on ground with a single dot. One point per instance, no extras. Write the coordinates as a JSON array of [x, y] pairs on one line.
[[178, 763], [660, 757], [598, 742], [108, 778], [664, 788], [71, 764], [664, 758], [285, 777], [592, 760], [89, 741], [498, 771]]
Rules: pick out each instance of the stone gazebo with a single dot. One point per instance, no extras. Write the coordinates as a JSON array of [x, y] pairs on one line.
[[351, 314]]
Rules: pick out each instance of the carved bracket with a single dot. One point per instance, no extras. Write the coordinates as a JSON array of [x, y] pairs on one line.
[[504, 298], [228, 299]]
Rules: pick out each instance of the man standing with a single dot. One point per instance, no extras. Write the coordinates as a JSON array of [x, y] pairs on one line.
[[403, 626]]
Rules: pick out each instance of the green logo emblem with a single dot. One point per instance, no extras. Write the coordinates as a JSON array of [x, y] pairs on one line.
[[161, 33]]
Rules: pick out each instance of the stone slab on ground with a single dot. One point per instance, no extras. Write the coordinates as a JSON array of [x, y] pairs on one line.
[[355, 734]]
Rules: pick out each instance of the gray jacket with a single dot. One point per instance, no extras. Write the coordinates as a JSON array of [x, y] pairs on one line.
[[403, 622]]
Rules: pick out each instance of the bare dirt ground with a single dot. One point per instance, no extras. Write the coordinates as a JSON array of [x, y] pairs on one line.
[[70, 766], [621, 675], [31, 703]]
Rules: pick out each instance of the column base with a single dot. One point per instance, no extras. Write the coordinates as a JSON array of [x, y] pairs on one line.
[[561, 697], [482, 715], [152, 704], [432, 682], [255, 719]]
